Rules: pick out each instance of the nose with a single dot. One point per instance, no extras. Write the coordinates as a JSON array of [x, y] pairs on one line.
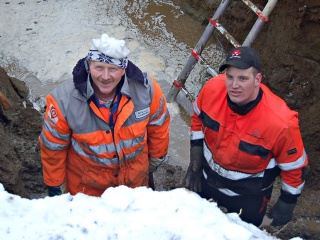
[[235, 83], [105, 74]]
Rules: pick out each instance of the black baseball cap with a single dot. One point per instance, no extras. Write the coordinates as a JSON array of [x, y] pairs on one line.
[[243, 58]]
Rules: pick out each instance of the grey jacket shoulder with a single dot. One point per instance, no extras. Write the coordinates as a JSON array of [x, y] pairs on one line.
[[63, 94], [140, 93]]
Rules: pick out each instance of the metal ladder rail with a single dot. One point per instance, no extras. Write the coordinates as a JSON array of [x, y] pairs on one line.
[[212, 25], [263, 17], [184, 74]]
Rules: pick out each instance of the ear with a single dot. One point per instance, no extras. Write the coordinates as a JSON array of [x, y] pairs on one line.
[[258, 78], [124, 71]]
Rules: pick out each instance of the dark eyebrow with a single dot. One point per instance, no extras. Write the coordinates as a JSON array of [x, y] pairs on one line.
[[243, 76]]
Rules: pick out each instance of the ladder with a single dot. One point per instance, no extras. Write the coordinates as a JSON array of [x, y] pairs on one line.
[[213, 24]]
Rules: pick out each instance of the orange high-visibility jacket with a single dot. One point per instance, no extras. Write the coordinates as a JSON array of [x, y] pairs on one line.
[[79, 148], [243, 150]]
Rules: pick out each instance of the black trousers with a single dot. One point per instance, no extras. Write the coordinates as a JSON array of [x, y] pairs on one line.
[[253, 206]]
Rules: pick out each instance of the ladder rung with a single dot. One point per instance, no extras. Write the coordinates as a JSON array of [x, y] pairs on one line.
[[213, 24], [256, 10], [225, 33]]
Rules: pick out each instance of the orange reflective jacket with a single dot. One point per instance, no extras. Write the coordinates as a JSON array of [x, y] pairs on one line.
[[79, 148], [241, 150]]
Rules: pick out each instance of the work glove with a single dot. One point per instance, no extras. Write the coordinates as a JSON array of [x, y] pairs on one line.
[[194, 171], [281, 213], [54, 191], [154, 163]]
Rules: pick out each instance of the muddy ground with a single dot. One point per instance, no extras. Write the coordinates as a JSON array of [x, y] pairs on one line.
[[289, 45]]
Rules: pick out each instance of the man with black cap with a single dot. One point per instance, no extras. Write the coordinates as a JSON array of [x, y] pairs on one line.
[[242, 137]]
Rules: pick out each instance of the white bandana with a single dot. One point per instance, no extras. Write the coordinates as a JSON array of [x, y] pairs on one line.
[[109, 50]]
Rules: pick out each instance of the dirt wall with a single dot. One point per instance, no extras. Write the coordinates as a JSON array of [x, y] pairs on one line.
[[20, 126]]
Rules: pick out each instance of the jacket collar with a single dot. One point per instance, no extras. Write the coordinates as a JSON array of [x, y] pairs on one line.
[[244, 109]]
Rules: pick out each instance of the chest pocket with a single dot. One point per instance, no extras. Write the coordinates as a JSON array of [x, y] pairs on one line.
[[133, 134]]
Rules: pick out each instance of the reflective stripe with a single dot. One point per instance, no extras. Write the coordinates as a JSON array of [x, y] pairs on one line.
[[161, 120], [272, 164], [271, 185], [195, 108], [108, 148], [55, 133], [195, 135], [225, 191], [296, 164], [130, 143], [228, 192], [229, 174], [159, 111], [100, 149], [205, 174], [51, 145], [291, 189], [154, 119], [134, 154], [104, 161]]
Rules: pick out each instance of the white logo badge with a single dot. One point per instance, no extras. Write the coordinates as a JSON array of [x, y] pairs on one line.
[[142, 113]]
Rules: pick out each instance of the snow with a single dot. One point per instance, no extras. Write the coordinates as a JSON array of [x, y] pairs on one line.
[[121, 213]]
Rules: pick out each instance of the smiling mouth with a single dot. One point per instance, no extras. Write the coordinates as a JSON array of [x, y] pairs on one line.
[[106, 83]]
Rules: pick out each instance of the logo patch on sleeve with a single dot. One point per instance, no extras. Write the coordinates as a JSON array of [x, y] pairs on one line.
[[292, 151], [52, 114]]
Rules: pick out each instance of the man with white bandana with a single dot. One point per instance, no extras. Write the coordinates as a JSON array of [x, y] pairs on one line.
[[107, 127]]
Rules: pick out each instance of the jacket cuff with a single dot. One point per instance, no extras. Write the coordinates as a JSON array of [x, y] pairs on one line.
[[288, 198], [154, 163]]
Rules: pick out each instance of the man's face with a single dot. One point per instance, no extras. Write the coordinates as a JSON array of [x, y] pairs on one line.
[[105, 76], [242, 84]]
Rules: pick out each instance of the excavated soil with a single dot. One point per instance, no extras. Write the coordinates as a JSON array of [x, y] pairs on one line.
[[289, 45]]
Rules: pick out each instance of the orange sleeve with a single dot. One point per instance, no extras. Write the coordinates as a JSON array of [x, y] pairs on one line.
[[54, 142], [158, 127], [196, 123], [290, 154]]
